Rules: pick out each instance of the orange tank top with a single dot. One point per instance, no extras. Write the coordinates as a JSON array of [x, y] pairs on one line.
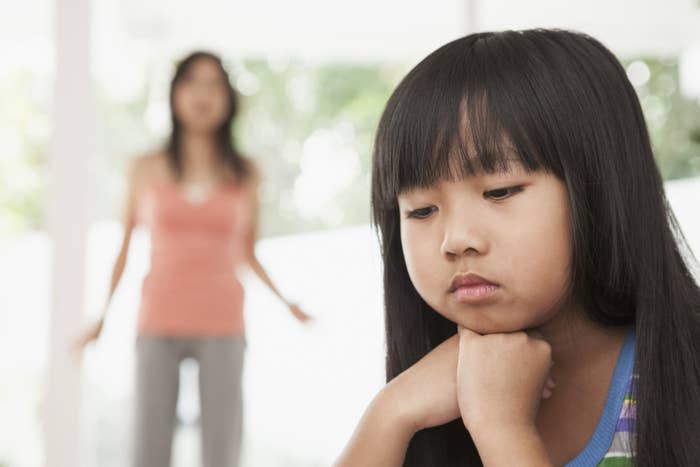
[[191, 288]]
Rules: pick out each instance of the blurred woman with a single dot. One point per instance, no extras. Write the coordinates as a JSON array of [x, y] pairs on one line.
[[198, 198]]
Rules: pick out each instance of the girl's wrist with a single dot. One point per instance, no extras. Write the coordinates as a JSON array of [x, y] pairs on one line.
[[380, 438], [392, 407], [526, 442]]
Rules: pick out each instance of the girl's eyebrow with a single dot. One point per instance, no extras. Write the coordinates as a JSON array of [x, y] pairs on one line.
[[514, 165], [413, 191], [508, 165]]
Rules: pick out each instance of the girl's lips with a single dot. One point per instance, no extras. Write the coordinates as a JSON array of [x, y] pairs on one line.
[[475, 293], [467, 280]]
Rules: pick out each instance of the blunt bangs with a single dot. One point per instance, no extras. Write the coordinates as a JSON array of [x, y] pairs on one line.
[[472, 106]]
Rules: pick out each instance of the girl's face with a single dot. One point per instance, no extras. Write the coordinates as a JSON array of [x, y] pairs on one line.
[[200, 97], [511, 229]]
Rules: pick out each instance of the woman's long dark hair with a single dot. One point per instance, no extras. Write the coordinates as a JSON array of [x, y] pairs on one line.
[[562, 103], [223, 136]]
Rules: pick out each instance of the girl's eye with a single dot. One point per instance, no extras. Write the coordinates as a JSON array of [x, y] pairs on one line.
[[502, 193], [421, 213]]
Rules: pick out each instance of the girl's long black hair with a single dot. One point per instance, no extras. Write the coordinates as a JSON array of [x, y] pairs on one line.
[[223, 136], [560, 102]]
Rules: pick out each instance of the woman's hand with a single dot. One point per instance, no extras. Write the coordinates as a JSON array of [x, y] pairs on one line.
[[500, 380], [298, 313], [89, 335]]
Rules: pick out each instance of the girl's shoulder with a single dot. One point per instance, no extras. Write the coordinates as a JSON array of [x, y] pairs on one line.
[[619, 454], [611, 442]]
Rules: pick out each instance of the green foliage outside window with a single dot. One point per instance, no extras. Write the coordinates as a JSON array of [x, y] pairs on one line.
[[294, 115]]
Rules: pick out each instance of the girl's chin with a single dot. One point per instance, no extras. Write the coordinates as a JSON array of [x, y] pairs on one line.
[[484, 326]]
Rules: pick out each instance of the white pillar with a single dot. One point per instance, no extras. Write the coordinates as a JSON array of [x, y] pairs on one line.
[[67, 224]]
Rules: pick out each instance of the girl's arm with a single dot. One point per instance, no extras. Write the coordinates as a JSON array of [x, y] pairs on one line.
[[129, 221], [381, 438], [423, 396], [428, 394], [524, 447], [251, 239]]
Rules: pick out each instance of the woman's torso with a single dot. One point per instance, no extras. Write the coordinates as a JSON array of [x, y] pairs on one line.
[[191, 288]]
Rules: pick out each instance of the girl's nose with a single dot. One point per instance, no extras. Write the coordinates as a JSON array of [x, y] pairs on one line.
[[462, 238]]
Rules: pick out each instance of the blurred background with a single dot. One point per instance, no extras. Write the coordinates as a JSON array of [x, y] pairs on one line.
[[83, 90]]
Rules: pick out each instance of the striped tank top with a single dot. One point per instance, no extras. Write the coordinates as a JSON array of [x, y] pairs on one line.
[[191, 289], [611, 443]]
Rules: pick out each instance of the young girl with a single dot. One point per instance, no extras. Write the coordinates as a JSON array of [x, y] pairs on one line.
[[198, 199], [539, 308]]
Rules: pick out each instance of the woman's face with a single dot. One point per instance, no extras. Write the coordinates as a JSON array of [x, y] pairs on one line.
[[200, 98], [511, 229]]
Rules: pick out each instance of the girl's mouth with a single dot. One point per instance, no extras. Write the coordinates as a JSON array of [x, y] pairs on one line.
[[472, 288], [475, 293]]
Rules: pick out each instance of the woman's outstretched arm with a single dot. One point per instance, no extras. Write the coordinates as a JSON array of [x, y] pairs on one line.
[[134, 178], [252, 186]]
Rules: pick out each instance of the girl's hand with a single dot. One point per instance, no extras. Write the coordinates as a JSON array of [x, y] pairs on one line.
[[500, 380], [89, 335], [298, 313], [425, 395]]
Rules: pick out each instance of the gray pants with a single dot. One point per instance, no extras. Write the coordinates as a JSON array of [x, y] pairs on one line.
[[157, 382]]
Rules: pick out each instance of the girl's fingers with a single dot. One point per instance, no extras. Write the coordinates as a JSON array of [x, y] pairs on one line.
[[548, 388]]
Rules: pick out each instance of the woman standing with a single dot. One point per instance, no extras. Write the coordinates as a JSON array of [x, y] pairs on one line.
[[198, 198]]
